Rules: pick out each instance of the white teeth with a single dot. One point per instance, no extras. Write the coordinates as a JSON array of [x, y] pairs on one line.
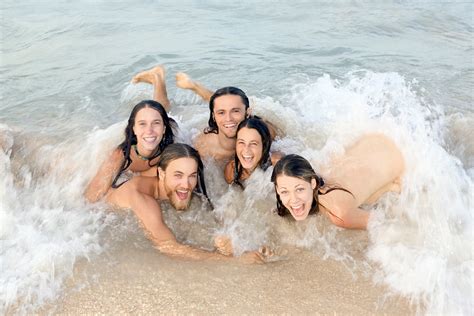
[[229, 125], [247, 158], [182, 191], [297, 209], [149, 139]]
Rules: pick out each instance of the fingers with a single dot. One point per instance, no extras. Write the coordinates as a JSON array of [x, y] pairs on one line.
[[265, 251]]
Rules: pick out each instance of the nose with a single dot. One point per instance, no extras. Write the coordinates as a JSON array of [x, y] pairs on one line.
[[293, 197], [185, 183], [227, 116], [149, 128]]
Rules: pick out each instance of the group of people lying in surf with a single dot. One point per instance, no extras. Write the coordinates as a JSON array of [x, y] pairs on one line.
[[240, 143]]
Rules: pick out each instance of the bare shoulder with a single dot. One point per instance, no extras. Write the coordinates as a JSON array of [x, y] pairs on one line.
[[117, 155], [205, 143], [229, 171], [123, 195]]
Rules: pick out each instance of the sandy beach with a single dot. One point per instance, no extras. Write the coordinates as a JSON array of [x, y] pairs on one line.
[[139, 280]]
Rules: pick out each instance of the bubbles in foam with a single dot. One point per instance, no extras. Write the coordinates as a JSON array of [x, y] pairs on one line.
[[46, 227], [418, 239], [416, 242]]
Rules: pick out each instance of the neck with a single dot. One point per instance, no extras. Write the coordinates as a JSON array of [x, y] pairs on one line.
[[142, 153], [246, 173], [161, 190], [226, 142]]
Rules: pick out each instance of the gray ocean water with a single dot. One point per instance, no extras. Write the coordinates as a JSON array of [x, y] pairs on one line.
[[319, 69]]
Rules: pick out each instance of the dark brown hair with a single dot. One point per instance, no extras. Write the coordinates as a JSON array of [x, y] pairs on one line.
[[298, 167]]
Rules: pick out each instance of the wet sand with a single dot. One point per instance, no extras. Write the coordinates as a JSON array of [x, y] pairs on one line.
[[139, 280]]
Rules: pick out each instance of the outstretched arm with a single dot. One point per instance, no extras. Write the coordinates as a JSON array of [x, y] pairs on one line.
[[138, 194], [102, 181]]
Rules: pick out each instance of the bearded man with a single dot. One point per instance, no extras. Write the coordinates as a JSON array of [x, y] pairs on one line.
[[180, 173]]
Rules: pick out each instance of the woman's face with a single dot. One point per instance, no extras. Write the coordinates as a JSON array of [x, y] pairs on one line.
[[296, 195], [149, 129], [249, 148]]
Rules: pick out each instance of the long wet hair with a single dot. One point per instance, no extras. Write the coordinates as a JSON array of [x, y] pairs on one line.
[[131, 138], [180, 150], [261, 127], [212, 128], [298, 167]]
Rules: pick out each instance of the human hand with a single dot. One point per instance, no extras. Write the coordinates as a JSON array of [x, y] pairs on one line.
[[251, 257]]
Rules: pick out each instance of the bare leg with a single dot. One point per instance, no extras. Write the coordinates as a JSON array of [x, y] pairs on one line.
[[183, 81], [394, 186], [156, 77]]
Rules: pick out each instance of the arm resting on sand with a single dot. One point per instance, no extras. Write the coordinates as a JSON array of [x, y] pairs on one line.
[[137, 194], [102, 181]]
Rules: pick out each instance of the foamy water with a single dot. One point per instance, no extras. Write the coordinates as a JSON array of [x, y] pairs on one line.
[[417, 241], [402, 71]]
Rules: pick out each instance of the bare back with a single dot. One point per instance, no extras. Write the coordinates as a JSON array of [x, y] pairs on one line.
[[367, 166], [368, 169]]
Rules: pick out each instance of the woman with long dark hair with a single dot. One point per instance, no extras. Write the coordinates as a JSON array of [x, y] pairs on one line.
[[369, 168], [148, 132], [252, 150]]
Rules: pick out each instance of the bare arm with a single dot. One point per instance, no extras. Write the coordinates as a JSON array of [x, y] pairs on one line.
[[137, 194], [275, 157], [272, 129], [343, 210], [102, 181]]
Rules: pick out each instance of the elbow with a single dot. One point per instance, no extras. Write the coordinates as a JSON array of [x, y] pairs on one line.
[[340, 218]]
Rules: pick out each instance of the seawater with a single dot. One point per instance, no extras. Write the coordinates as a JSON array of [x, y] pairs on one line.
[[323, 72]]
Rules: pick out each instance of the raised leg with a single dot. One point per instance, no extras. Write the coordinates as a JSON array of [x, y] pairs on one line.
[[394, 186], [183, 81], [155, 77]]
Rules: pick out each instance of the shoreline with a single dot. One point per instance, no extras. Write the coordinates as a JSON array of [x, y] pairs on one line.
[[141, 280]]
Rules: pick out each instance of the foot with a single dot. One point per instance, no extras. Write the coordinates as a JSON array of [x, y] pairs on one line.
[[150, 75], [396, 186], [183, 81]]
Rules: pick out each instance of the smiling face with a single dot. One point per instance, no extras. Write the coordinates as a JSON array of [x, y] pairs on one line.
[[296, 195], [228, 112], [249, 148], [149, 130], [179, 180]]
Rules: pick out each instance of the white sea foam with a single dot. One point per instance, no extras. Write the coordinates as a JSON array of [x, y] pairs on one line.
[[418, 243], [45, 225]]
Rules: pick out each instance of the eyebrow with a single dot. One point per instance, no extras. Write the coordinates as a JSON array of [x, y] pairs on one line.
[[280, 187], [154, 120]]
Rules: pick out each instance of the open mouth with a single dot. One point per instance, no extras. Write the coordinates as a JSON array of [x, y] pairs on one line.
[[247, 159], [297, 210], [182, 194], [150, 140]]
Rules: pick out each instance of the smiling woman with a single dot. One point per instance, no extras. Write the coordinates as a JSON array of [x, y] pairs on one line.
[[148, 132], [368, 169], [252, 150]]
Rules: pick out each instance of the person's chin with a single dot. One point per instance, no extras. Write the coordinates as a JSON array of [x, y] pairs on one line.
[[229, 134], [180, 205]]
